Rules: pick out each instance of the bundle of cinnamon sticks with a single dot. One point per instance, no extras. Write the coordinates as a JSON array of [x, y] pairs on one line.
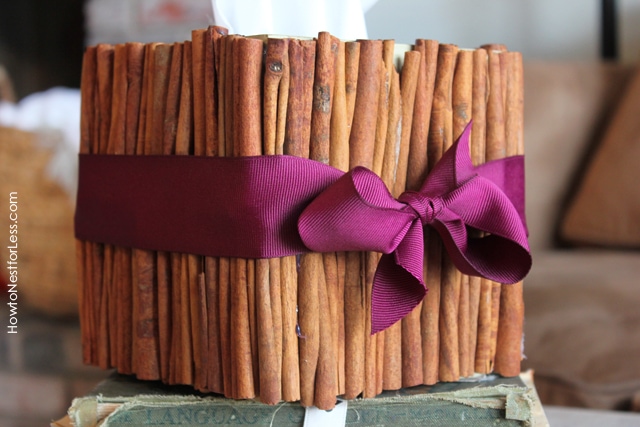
[[298, 327]]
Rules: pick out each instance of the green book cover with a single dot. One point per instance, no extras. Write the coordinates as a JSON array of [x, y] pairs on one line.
[[123, 401]]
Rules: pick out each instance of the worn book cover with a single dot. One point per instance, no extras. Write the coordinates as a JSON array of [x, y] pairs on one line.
[[490, 400]]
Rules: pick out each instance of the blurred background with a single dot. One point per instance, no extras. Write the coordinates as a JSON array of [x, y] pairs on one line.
[[583, 51], [41, 42]]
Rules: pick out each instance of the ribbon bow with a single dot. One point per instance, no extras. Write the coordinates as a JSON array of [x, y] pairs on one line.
[[358, 213]]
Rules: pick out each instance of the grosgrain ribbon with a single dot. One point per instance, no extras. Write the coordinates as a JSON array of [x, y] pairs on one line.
[[272, 206], [358, 213]]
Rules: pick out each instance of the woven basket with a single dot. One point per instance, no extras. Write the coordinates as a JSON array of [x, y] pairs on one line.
[[46, 249]]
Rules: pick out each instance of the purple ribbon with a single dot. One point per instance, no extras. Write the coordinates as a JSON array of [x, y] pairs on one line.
[[358, 213], [272, 206]]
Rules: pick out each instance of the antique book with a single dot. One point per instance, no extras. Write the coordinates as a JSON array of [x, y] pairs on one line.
[[123, 400]]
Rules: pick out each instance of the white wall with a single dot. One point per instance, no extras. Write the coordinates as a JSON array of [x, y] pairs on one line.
[[540, 29], [629, 23]]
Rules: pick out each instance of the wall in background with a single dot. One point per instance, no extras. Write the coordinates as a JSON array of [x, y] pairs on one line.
[[629, 30], [540, 29], [41, 41]]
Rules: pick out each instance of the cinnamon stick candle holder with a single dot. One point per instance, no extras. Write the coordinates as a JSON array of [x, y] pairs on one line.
[[318, 134]]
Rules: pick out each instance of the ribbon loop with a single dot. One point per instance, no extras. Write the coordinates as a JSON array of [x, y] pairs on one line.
[[359, 213]]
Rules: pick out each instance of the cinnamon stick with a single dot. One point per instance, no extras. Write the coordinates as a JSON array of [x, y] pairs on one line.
[[361, 149], [352, 60], [417, 166], [247, 141], [139, 150], [290, 363], [483, 347], [392, 372], [370, 340], [322, 98], [125, 307], [184, 147], [440, 134], [462, 110], [172, 108], [374, 344], [116, 145], [198, 47], [161, 84], [408, 84], [83, 249], [325, 390], [511, 314], [103, 254], [339, 158], [165, 315], [273, 75], [196, 263], [269, 301], [479, 289], [495, 149], [339, 123], [225, 104], [135, 66], [116, 140], [194, 271], [211, 57], [382, 136], [411, 336], [297, 143], [212, 355]]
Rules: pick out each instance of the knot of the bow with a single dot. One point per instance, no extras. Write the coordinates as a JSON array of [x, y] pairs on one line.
[[357, 213], [426, 208]]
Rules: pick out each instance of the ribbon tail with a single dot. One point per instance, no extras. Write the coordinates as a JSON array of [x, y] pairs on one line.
[[395, 293]]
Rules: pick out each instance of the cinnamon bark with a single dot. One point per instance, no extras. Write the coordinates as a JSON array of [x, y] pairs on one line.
[[511, 313], [352, 60], [184, 146], [172, 108], [225, 104], [462, 110], [83, 249], [196, 263], [102, 255], [361, 149], [392, 373], [273, 75], [297, 143], [171, 117], [269, 301], [495, 149], [440, 134], [135, 66], [339, 158], [339, 122], [161, 80], [120, 283], [247, 141], [326, 373], [198, 48], [411, 337], [477, 150], [418, 162]]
